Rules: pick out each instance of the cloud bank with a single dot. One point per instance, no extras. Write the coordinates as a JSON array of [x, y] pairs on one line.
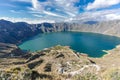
[[97, 4]]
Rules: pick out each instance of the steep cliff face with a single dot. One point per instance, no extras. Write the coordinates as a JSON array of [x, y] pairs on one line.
[[15, 32], [107, 27]]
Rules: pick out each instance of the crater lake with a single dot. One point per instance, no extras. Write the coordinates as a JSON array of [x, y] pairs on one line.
[[92, 44]]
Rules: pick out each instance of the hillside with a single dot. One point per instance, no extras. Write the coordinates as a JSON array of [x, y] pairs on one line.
[[10, 50], [51, 64], [61, 63]]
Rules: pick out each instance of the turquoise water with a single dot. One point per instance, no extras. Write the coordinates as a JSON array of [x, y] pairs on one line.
[[90, 43]]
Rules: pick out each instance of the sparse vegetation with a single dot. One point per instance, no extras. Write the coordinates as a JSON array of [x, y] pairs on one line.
[[18, 73], [112, 74], [58, 47], [47, 65], [86, 76]]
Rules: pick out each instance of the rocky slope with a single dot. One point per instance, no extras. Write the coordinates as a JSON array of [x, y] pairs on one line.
[[17, 32], [10, 50], [107, 27], [55, 63], [61, 63], [14, 32]]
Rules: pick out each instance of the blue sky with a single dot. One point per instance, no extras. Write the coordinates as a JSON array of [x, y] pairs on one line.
[[37, 11]]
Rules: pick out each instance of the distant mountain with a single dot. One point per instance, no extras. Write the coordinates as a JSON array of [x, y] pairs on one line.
[[17, 32], [91, 22]]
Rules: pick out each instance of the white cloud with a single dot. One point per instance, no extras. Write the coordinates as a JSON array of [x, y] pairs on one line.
[[71, 14], [36, 15], [40, 6], [52, 14], [64, 6], [35, 4], [103, 15], [30, 21], [67, 6], [113, 17], [102, 4], [64, 10]]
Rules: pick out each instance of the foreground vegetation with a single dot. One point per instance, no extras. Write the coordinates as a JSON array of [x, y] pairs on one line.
[[61, 63]]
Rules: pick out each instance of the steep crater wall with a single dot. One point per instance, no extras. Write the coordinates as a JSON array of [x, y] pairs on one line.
[[17, 32]]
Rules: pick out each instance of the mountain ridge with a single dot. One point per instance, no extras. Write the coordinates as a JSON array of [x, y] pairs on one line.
[[20, 31]]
